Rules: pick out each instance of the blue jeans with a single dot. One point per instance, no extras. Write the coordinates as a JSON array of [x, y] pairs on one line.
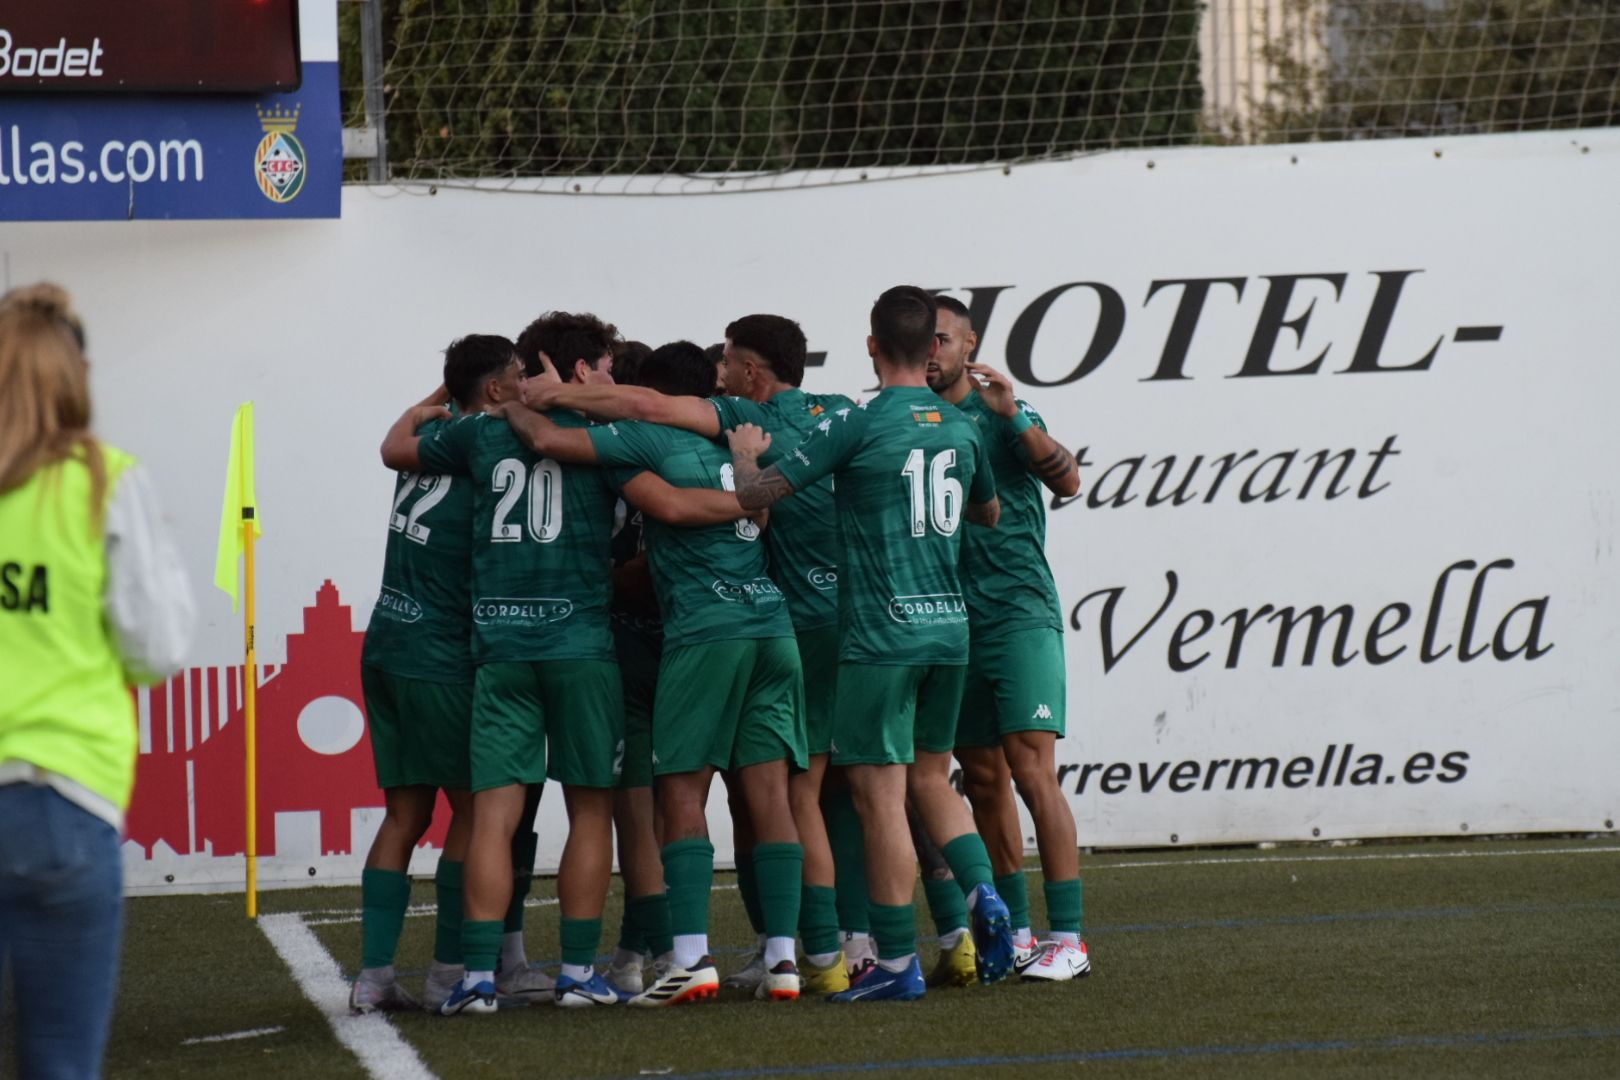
[[61, 921]]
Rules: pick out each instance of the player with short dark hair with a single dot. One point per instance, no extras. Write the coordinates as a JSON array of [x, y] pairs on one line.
[[730, 688], [763, 369], [906, 473], [546, 674], [580, 346], [417, 675], [1013, 703]]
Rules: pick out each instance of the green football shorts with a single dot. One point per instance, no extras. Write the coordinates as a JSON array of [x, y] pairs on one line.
[[1015, 682], [639, 652], [729, 704], [419, 730], [519, 707], [818, 654], [885, 714]]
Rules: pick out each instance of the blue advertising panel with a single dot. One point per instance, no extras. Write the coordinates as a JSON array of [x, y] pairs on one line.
[[86, 157]]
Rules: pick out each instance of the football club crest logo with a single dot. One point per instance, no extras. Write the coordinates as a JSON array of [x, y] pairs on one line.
[[279, 164]]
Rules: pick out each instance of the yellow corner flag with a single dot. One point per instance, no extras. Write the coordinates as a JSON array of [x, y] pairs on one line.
[[238, 494]]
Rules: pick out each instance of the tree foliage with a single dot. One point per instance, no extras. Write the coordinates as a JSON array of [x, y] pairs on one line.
[[546, 87]]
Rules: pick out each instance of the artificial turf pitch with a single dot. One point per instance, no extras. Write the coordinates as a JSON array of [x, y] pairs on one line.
[[1472, 959]]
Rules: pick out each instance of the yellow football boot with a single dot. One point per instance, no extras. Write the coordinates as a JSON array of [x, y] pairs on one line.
[[957, 966], [831, 979]]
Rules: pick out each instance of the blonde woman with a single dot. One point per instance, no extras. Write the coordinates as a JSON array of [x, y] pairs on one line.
[[92, 598]]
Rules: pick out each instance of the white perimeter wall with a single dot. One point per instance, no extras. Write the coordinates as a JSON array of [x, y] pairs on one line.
[[1498, 450]]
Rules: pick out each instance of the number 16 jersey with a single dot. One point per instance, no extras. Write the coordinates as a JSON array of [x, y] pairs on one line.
[[903, 466], [541, 570]]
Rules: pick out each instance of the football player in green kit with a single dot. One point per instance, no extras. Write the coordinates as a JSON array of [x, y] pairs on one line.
[[730, 688], [417, 675], [546, 678], [1013, 703], [906, 472], [761, 370]]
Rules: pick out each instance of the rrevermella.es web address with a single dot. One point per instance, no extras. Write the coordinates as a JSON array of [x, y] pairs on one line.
[[115, 161], [1336, 766]]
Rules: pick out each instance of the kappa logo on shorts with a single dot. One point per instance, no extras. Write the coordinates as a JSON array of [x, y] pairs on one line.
[[1042, 712], [520, 611], [931, 610]]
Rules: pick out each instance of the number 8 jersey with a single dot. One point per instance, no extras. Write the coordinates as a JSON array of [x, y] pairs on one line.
[[902, 466], [541, 534]]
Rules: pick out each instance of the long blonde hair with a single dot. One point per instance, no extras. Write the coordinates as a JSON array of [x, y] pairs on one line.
[[44, 389]]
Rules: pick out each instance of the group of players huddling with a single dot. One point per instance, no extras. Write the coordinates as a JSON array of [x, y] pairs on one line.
[[629, 570]]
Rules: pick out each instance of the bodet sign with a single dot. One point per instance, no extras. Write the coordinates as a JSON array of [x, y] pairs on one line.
[[1342, 564]]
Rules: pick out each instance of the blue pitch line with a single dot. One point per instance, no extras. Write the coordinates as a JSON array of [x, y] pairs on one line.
[[1094, 929], [1081, 1057]]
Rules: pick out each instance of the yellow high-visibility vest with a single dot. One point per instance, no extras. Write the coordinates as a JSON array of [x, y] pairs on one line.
[[65, 705]]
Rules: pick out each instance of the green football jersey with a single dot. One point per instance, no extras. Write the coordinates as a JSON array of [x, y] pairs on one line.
[[802, 539], [1005, 577], [420, 626], [905, 464], [541, 580], [711, 581]]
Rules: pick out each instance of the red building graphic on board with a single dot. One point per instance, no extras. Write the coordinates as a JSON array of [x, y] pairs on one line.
[[314, 760]]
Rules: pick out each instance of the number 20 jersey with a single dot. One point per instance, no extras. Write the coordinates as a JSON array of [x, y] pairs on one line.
[[904, 465], [541, 535]]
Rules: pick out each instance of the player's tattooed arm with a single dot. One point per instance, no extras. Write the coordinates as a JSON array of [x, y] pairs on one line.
[[1053, 465], [756, 488], [985, 513], [572, 445], [399, 446]]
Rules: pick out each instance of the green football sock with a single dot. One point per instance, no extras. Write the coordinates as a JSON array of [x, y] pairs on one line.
[[447, 929], [523, 849], [818, 919], [654, 919], [849, 860], [970, 861], [579, 938], [481, 943], [1064, 905], [688, 877], [946, 905], [779, 873], [748, 885], [633, 927], [1015, 894], [384, 896], [894, 928]]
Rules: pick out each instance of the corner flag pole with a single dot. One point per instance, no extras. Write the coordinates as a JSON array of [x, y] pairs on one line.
[[238, 525], [250, 694]]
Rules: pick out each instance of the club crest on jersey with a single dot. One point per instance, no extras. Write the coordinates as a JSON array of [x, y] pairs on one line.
[[935, 609], [520, 610], [398, 606], [824, 578], [280, 164], [926, 416]]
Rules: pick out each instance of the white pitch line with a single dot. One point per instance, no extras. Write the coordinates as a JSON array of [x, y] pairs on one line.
[[381, 1050], [1097, 868], [251, 1033]]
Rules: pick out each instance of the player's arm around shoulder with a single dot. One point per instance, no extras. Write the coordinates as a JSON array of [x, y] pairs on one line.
[[571, 444], [400, 445], [684, 507], [1043, 455]]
